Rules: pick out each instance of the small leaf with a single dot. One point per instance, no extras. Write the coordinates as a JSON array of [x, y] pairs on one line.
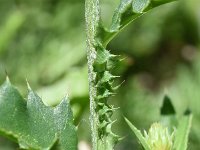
[[167, 108], [138, 134], [34, 125], [127, 11], [182, 133]]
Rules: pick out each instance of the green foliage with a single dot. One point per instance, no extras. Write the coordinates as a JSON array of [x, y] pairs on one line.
[[46, 39], [128, 11], [34, 125], [182, 133]]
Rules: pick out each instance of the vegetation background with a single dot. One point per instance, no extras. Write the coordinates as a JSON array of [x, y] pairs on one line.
[[44, 41]]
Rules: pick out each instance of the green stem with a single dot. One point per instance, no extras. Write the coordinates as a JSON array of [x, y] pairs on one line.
[[92, 22], [100, 87]]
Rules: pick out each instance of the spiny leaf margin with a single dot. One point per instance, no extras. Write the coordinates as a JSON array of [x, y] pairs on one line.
[[127, 11], [102, 66], [34, 125]]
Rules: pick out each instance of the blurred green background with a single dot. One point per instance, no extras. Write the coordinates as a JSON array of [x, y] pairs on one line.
[[43, 41]]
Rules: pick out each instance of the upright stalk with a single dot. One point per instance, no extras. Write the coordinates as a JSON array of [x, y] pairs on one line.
[[92, 16], [100, 80]]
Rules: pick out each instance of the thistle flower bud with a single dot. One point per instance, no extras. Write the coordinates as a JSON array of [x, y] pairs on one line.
[[159, 138]]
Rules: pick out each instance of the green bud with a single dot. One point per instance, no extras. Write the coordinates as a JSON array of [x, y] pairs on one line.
[[159, 138]]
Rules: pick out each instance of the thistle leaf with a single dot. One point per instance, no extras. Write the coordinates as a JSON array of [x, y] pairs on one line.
[[182, 133], [127, 11], [34, 125], [139, 135]]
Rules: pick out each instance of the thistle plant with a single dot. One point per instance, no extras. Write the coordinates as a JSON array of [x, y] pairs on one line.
[[101, 62], [33, 125]]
